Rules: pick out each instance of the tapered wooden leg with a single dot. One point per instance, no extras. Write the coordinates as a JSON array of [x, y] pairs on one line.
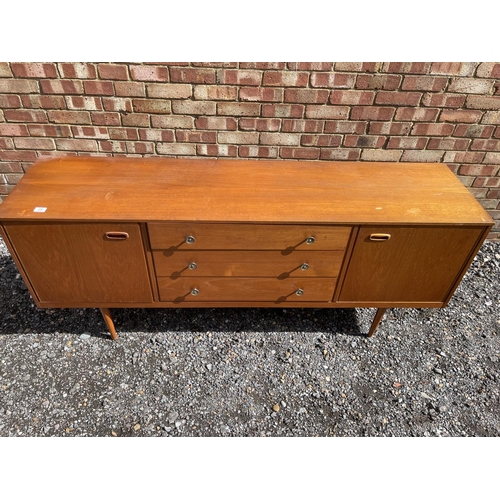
[[106, 314], [376, 321]]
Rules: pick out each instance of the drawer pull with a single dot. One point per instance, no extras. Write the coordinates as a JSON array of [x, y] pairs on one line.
[[310, 240], [190, 239], [379, 237], [299, 292], [195, 291], [304, 266], [192, 266], [116, 235]]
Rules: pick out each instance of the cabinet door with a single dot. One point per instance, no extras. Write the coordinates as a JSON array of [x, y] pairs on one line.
[[417, 264], [82, 263]]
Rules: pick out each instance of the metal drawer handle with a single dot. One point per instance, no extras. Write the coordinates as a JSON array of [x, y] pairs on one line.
[[304, 266], [299, 292], [116, 235], [195, 291], [310, 240], [379, 237], [192, 266], [190, 239]]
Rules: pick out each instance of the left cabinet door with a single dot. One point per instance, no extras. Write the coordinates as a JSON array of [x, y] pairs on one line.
[[80, 263]]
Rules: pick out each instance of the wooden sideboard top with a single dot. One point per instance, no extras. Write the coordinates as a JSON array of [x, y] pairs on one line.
[[223, 190]]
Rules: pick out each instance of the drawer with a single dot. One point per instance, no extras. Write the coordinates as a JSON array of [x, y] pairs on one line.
[[271, 263], [246, 289], [283, 237]]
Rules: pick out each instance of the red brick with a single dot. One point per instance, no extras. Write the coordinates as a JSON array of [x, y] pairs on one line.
[[49, 130], [140, 147], [497, 133], [368, 67], [261, 94], [260, 124], [175, 63], [311, 126], [283, 110], [277, 139], [7, 143], [117, 104], [475, 170], [84, 102], [286, 78], [449, 144], [239, 77], [77, 70], [13, 166], [471, 86], [352, 97], [378, 82], [138, 120], [460, 116], [21, 115], [258, 152], [263, 65], [37, 101], [96, 87], [417, 68], [340, 154], [194, 107], [11, 101], [215, 92], [483, 102], [390, 128], [398, 98], [11, 130], [76, 145], [306, 96], [27, 155], [489, 70], [74, 117], [380, 155], [176, 149], [417, 114], [364, 141], [492, 117], [113, 71], [149, 73], [19, 86], [327, 112], [372, 113], [485, 145], [465, 180], [34, 70], [333, 80], [152, 106], [483, 131], [238, 108], [415, 155], [157, 135], [238, 137], [82, 132], [487, 182], [407, 142], [463, 157], [130, 89], [215, 123], [103, 118], [13, 178], [341, 127], [217, 150], [444, 100], [5, 71], [310, 66], [300, 153], [196, 136], [61, 87], [192, 75], [436, 84], [322, 140], [112, 146], [122, 134], [441, 129], [34, 143], [493, 194], [453, 68]]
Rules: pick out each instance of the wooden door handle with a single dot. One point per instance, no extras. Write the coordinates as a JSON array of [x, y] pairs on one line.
[[116, 235], [379, 237]]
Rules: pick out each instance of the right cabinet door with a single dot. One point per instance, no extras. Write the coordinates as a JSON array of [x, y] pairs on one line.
[[407, 264]]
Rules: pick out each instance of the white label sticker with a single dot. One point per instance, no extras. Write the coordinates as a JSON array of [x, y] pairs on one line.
[[40, 209]]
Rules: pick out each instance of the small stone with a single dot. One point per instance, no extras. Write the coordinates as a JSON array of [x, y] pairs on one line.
[[488, 303], [113, 433], [209, 366], [438, 370], [497, 256], [85, 335], [164, 366], [425, 396], [137, 427], [172, 417], [276, 408], [178, 423], [442, 409]]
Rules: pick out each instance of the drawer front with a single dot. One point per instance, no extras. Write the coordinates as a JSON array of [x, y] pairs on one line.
[[246, 289], [286, 238], [250, 263]]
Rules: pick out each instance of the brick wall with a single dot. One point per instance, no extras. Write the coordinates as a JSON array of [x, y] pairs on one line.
[[408, 112]]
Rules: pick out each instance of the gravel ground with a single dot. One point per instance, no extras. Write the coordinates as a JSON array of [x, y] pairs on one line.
[[253, 372]]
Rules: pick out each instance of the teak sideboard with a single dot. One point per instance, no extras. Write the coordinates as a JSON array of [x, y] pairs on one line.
[[167, 232]]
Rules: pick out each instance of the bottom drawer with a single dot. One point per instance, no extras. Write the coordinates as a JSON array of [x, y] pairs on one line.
[[246, 289]]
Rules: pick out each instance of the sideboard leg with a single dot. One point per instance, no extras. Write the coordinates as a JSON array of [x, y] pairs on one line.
[[376, 321], [106, 314]]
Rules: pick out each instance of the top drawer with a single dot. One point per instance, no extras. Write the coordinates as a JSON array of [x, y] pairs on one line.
[[284, 237]]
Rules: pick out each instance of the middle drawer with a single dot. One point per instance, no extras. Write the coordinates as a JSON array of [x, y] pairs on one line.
[[270, 263]]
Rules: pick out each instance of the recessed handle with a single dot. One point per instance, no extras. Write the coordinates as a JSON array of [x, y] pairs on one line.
[[189, 240], [195, 291], [299, 292], [310, 240], [192, 266], [116, 235], [379, 237], [304, 266]]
